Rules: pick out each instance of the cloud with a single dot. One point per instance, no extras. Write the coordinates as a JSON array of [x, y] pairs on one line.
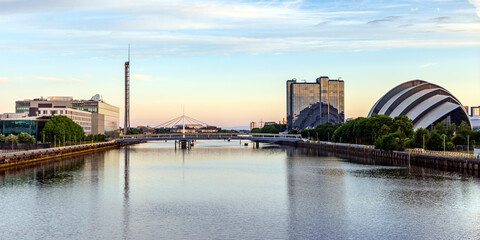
[[141, 77], [4, 80], [426, 65], [387, 19], [189, 27], [441, 19], [52, 79], [476, 4], [78, 80], [61, 80]]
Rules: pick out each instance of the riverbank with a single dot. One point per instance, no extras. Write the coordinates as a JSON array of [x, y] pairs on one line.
[[32, 156], [368, 155]]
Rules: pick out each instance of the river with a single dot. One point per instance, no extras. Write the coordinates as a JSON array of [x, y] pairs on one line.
[[224, 190]]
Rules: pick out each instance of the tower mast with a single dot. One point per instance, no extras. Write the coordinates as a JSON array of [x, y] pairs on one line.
[[127, 93]]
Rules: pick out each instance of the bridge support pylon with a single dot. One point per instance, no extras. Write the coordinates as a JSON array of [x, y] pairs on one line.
[[257, 144]]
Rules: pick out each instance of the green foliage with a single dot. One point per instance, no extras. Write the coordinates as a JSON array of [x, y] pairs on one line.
[[272, 128], [384, 130], [62, 128], [11, 139], [293, 131], [450, 146], [459, 140], [403, 124], [2, 138], [435, 141], [96, 137], [418, 137], [392, 142], [132, 131], [25, 138], [440, 127]]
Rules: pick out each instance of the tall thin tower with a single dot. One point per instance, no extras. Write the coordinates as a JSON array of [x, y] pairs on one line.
[[127, 93]]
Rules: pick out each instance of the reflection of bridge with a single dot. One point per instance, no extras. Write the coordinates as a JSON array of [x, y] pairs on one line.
[[188, 137]]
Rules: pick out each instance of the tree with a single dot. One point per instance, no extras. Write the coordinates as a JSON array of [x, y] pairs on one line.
[[418, 138], [25, 138], [404, 124], [384, 130], [435, 141], [11, 139], [2, 138], [440, 127], [62, 128], [459, 140]]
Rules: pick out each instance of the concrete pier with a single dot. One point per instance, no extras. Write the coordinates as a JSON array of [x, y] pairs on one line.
[[365, 155], [25, 157]]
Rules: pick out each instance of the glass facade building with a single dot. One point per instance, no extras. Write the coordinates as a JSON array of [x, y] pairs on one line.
[[32, 126], [311, 104]]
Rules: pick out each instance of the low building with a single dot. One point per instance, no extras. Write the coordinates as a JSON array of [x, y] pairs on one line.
[[82, 118], [209, 129], [105, 117], [13, 115], [475, 111], [30, 125]]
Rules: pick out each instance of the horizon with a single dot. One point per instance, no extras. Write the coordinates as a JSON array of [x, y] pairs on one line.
[[227, 63]]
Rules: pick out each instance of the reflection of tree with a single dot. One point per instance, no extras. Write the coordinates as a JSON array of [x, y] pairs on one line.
[[309, 117]]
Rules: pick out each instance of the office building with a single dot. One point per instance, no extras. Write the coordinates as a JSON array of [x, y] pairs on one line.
[[30, 125], [426, 104], [475, 111], [104, 117], [82, 118], [253, 125], [315, 103]]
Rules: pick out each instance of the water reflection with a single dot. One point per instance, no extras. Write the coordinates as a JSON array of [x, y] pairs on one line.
[[220, 190], [126, 192]]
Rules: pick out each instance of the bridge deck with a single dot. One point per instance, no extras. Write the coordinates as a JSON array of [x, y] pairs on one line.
[[210, 136]]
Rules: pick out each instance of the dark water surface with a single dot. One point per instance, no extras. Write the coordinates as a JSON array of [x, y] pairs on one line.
[[220, 190]]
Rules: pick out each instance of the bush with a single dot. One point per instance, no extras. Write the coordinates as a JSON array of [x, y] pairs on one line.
[[11, 138], [25, 138]]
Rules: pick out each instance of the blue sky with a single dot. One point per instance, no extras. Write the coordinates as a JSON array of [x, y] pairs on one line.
[[227, 61]]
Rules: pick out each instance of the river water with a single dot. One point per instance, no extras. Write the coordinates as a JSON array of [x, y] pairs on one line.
[[224, 190]]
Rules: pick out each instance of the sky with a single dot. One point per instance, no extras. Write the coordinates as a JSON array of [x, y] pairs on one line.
[[226, 62]]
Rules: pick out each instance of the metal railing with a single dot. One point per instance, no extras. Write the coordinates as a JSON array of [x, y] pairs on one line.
[[211, 136]]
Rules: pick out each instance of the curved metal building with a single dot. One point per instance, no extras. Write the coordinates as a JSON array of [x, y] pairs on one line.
[[424, 103]]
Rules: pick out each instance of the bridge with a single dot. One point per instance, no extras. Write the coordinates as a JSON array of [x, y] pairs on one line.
[[185, 138]]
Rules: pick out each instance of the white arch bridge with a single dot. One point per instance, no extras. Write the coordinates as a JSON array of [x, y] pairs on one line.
[[189, 137]]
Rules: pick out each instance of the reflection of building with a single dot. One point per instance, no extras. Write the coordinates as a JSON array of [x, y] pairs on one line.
[[82, 118], [426, 104], [104, 117], [311, 104]]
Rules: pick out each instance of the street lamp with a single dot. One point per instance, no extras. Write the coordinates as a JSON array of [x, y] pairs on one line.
[[443, 144], [423, 141], [468, 144]]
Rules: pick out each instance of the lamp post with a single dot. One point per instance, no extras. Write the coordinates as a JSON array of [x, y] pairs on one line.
[[443, 144], [468, 144], [423, 141]]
